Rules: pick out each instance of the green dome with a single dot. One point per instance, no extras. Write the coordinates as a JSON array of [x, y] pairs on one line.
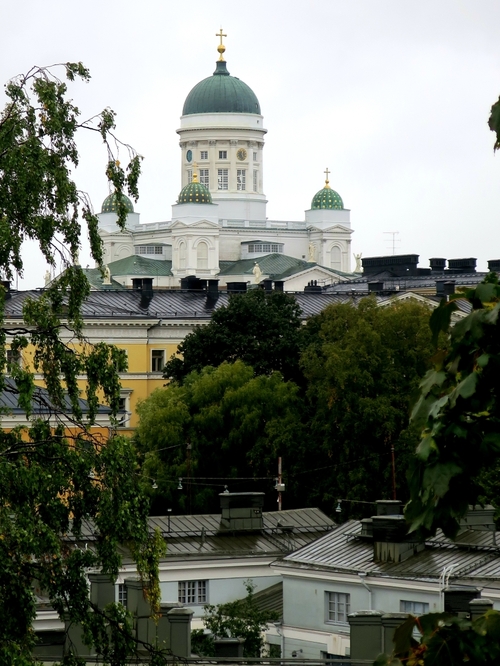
[[221, 93], [109, 204], [195, 192], [327, 198]]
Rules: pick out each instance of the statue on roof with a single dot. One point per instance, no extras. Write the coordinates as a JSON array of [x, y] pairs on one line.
[[107, 276], [357, 269], [257, 273], [47, 277], [312, 252]]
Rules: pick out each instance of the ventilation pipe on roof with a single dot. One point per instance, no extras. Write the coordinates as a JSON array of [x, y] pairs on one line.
[[212, 292]]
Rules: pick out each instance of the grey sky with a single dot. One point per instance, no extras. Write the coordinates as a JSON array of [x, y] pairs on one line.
[[392, 95]]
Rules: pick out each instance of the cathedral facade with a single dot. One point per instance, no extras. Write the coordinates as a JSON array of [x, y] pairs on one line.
[[219, 228]]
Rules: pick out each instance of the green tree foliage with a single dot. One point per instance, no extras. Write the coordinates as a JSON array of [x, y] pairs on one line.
[[221, 423], [53, 482], [236, 619], [446, 640], [361, 365], [261, 329], [458, 414]]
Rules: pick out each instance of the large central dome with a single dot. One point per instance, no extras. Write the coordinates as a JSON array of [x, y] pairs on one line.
[[221, 93]]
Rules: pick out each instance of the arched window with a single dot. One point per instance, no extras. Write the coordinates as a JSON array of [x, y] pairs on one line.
[[182, 254], [202, 255], [336, 258]]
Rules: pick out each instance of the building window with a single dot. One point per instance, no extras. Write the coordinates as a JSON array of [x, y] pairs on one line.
[[204, 177], [193, 592], [413, 607], [255, 180], [223, 179], [202, 255], [241, 179], [265, 248], [204, 155], [157, 360], [223, 154], [148, 249], [12, 359], [182, 254], [337, 606], [336, 258], [255, 157], [122, 594], [190, 175]]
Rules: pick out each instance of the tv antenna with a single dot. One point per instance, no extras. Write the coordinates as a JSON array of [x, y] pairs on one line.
[[393, 241]]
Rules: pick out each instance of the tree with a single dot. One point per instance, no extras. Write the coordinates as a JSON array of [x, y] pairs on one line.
[[236, 619], [362, 365], [261, 329], [458, 414], [220, 424], [53, 482]]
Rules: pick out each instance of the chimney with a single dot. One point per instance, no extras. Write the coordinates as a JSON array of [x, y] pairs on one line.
[[279, 285], [6, 286], [437, 264], [494, 265], [145, 287], [457, 599], [192, 283], [313, 287], [212, 292], [236, 287], [391, 543], [267, 284], [375, 287], [462, 265], [241, 511]]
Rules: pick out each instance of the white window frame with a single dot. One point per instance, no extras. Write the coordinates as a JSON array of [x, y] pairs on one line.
[[205, 177], [148, 249], [190, 176], [336, 252], [122, 594], [203, 154], [157, 359], [413, 607], [223, 179], [255, 180], [241, 179], [337, 607], [192, 592]]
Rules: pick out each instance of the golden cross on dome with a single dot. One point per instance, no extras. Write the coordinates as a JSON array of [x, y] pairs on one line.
[[221, 48], [195, 175], [327, 182]]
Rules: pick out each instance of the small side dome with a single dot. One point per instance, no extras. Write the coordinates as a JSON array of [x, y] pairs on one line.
[[327, 198], [109, 205], [195, 192]]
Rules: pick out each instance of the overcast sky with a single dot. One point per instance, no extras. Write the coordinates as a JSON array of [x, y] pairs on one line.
[[393, 96]]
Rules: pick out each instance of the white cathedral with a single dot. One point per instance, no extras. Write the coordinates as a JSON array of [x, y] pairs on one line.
[[219, 229]]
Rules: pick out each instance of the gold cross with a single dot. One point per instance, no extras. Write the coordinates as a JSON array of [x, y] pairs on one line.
[[327, 173], [221, 48]]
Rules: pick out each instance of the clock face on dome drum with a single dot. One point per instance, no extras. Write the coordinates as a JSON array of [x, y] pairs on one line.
[[189, 155], [241, 154]]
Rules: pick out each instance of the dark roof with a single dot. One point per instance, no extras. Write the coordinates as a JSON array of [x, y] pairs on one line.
[[168, 304], [342, 550], [407, 283], [190, 537], [41, 403]]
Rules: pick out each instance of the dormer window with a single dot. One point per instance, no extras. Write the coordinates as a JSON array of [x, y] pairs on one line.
[[265, 248], [149, 249]]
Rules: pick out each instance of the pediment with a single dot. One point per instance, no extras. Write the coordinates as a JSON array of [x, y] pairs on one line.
[[194, 224], [317, 273], [336, 228]]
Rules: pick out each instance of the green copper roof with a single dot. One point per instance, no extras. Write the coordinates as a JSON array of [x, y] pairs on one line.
[[136, 265], [109, 204], [194, 192], [221, 93], [327, 198]]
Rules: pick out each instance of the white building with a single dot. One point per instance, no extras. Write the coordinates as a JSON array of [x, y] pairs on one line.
[[219, 227]]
